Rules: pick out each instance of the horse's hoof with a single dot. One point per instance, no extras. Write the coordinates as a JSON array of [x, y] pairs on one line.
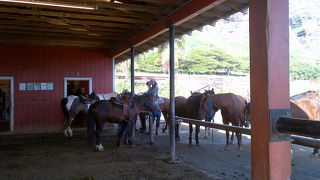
[[190, 142], [99, 148], [156, 132], [142, 130], [163, 130], [66, 133], [178, 139], [197, 143], [147, 133]]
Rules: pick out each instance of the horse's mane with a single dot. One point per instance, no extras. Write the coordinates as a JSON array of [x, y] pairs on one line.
[[301, 95]]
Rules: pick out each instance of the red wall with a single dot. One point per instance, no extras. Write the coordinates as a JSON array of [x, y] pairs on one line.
[[40, 110]]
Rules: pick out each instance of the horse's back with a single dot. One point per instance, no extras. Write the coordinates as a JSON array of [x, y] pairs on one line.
[[306, 109], [107, 96]]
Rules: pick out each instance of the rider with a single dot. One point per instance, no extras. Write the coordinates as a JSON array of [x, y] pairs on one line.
[[153, 93]]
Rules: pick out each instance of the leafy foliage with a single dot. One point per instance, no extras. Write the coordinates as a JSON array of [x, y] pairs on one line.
[[209, 61]]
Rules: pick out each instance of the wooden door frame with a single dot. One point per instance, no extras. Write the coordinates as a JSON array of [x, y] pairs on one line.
[[11, 79], [77, 79]]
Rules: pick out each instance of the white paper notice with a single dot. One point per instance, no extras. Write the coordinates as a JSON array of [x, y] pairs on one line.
[[43, 86], [36, 86], [22, 86], [49, 86]]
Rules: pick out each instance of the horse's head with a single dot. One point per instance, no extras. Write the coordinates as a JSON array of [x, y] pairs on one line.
[[126, 97], [93, 97], [246, 118], [206, 110], [209, 91]]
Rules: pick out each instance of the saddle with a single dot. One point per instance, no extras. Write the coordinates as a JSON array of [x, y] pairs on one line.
[[126, 107]]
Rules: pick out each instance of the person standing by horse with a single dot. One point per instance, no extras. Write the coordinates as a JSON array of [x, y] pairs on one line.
[[153, 90]]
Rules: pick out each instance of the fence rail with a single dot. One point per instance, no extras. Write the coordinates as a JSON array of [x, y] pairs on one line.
[[299, 140]]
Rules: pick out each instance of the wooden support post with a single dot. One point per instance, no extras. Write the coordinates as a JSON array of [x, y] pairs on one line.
[[269, 78], [172, 98]]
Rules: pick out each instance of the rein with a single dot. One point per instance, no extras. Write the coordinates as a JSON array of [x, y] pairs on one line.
[[211, 109]]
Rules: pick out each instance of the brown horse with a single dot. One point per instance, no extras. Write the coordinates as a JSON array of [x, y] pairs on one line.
[[73, 105], [189, 108], [232, 110], [125, 111]]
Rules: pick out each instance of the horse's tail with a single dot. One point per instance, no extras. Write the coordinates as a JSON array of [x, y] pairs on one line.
[[91, 127], [64, 109], [63, 105]]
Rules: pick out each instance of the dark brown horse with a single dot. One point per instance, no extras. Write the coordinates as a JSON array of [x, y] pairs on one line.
[[73, 105], [232, 110], [125, 111], [189, 108]]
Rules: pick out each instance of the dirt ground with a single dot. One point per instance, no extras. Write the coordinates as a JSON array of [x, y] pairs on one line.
[[52, 156]]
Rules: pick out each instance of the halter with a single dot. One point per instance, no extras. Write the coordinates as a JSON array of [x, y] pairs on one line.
[[211, 109]]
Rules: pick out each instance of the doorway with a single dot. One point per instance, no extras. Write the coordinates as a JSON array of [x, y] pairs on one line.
[[78, 86], [6, 104]]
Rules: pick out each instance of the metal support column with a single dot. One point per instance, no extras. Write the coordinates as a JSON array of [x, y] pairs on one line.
[[132, 71], [172, 98], [132, 88]]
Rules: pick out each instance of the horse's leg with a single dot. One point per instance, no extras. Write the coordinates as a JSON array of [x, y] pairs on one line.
[[197, 134], [68, 130], [142, 117], [315, 152], [227, 140], [239, 141], [99, 130], [166, 120], [177, 132], [232, 138], [190, 133]]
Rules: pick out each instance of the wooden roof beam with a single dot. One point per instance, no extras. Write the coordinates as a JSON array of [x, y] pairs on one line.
[[167, 2], [5, 22], [105, 4], [57, 30], [72, 15], [184, 13], [66, 22], [101, 11]]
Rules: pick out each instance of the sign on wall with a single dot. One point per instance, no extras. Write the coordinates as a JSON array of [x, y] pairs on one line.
[[36, 86], [29, 86], [49, 86], [43, 86], [22, 86]]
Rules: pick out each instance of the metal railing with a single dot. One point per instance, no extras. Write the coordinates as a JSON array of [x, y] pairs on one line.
[[285, 125]]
